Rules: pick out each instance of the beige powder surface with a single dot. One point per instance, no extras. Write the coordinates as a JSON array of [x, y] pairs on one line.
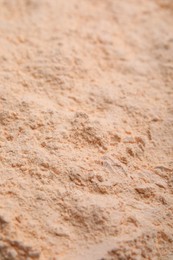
[[86, 129]]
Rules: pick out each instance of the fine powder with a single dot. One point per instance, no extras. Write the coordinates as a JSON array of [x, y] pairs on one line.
[[86, 129]]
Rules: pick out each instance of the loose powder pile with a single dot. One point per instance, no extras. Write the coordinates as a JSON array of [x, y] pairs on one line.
[[86, 129]]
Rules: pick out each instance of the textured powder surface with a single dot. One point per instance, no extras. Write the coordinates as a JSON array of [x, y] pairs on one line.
[[86, 129]]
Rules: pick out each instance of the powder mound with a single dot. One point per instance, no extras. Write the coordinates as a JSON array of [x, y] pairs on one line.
[[86, 130]]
